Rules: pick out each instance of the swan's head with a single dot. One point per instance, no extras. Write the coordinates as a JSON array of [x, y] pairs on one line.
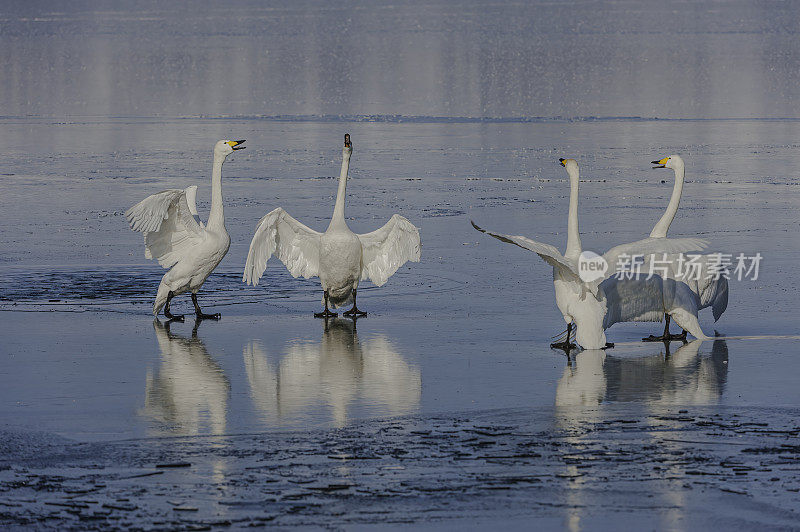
[[226, 147], [348, 146], [670, 161], [570, 164]]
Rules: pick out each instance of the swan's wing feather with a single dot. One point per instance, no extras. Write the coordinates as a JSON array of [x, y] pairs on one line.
[[548, 253], [633, 300], [296, 245], [168, 225], [191, 196], [651, 246], [388, 248]]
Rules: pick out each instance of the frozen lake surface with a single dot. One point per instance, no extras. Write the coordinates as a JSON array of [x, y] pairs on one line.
[[445, 406]]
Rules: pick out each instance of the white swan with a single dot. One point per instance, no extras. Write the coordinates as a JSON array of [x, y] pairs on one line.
[[711, 290], [339, 257], [584, 303], [175, 236]]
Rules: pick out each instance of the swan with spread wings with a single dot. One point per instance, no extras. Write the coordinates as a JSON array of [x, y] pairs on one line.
[[179, 241], [580, 296], [339, 257]]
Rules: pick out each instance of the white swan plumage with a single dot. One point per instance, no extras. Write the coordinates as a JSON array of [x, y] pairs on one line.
[[339, 257], [178, 240], [711, 290], [583, 303]]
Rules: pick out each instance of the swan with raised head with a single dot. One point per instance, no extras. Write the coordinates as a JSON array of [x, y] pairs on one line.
[[339, 257], [711, 289], [583, 303], [179, 241]]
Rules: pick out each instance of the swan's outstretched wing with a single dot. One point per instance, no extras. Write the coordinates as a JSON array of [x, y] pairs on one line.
[[633, 300], [388, 248], [548, 253], [296, 245], [168, 224], [650, 246]]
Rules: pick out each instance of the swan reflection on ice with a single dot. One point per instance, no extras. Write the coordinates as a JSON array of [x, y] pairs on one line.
[[683, 377], [658, 383], [188, 394], [337, 372]]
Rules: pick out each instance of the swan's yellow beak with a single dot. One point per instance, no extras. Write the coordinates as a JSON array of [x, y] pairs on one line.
[[661, 163], [236, 144], [347, 143]]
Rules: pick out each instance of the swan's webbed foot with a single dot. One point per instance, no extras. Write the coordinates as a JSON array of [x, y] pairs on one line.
[[666, 338], [354, 312], [198, 312], [565, 346], [609, 345], [167, 314], [326, 313], [172, 317]]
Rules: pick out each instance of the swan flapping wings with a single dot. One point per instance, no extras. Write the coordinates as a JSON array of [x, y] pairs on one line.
[[550, 254], [647, 246], [169, 223], [296, 245], [388, 248]]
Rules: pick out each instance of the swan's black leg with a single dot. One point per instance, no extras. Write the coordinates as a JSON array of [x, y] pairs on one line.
[[169, 315], [199, 313], [354, 312], [565, 345], [326, 313], [666, 337]]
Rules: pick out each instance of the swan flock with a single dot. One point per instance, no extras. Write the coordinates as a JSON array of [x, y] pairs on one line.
[[190, 250]]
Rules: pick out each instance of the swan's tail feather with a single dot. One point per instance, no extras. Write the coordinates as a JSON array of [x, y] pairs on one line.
[[161, 298], [720, 303]]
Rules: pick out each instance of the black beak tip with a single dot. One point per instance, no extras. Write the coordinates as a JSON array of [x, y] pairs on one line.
[[561, 160], [655, 162]]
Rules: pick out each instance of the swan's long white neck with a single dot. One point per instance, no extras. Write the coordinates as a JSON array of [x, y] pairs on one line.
[[216, 217], [337, 220], [574, 247], [661, 228]]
